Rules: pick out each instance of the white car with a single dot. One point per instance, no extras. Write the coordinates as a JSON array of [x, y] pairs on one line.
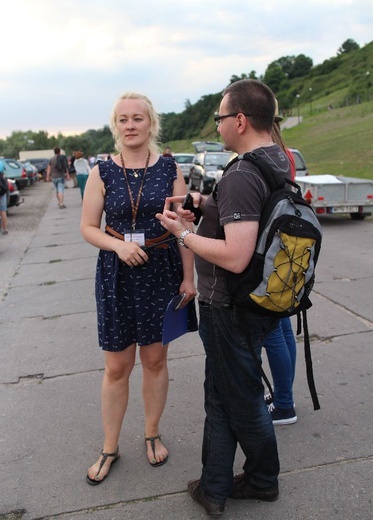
[[185, 161], [300, 163]]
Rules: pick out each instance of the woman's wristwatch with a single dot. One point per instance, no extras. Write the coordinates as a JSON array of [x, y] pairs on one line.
[[182, 237]]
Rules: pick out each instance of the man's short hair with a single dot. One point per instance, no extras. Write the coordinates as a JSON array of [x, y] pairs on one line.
[[56, 150], [250, 96]]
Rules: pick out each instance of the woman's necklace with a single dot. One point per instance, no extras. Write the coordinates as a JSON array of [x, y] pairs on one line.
[[134, 205], [134, 170]]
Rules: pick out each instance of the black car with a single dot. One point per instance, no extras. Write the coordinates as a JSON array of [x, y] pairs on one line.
[[31, 171], [41, 165], [206, 168]]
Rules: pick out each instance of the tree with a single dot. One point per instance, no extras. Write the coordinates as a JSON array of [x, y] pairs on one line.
[[348, 46], [293, 66], [286, 63], [301, 66], [274, 76], [235, 78]]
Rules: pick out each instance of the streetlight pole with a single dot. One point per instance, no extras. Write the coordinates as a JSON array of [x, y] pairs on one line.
[[298, 96], [368, 84], [310, 89]]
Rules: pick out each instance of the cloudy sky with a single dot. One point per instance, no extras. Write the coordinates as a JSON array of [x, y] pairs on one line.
[[64, 63]]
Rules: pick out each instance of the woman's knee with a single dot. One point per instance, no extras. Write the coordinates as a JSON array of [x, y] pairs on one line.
[[119, 365], [154, 358]]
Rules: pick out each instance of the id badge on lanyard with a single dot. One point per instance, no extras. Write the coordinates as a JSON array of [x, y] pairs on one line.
[[135, 235]]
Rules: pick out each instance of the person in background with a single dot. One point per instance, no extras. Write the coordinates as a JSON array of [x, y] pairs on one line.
[[281, 349], [280, 344], [236, 413], [133, 288], [3, 204], [92, 160], [167, 152], [82, 169], [57, 171], [72, 171]]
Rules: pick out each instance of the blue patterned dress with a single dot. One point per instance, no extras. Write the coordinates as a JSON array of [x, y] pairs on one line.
[[131, 301]]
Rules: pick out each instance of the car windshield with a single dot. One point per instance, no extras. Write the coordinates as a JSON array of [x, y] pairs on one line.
[[182, 159], [13, 164], [208, 146], [217, 159]]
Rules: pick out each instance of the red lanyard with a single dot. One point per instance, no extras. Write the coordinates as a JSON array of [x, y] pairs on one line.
[[134, 207]]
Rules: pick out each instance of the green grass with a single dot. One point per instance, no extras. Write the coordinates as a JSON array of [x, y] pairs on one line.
[[336, 142]]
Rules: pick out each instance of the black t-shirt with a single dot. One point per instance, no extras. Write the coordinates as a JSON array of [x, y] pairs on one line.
[[241, 196]]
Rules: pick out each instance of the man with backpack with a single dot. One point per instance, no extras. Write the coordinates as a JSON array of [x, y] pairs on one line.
[[235, 409], [57, 171]]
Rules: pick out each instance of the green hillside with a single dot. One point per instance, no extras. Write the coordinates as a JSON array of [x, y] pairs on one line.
[[337, 142], [335, 107]]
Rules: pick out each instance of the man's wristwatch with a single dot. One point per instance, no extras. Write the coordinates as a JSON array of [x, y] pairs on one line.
[[182, 237]]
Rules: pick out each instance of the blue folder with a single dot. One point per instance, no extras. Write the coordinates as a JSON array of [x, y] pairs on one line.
[[175, 322]]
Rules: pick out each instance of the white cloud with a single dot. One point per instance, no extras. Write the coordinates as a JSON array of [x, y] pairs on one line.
[[65, 63]]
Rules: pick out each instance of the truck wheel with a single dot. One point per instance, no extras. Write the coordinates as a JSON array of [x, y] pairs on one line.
[[358, 216], [190, 183]]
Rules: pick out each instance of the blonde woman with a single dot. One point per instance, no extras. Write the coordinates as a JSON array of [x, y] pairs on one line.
[[133, 288]]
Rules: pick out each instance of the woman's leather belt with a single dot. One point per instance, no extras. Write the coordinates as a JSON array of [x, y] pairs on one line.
[[150, 242]]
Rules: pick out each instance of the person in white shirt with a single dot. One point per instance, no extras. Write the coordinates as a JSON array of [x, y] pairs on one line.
[[82, 169]]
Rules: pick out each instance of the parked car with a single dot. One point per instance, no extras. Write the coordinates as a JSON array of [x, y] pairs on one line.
[[14, 197], [41, 165], [16, 171], [300, 163], [31, 171], [208, 146], [185, 161], [207, 166]]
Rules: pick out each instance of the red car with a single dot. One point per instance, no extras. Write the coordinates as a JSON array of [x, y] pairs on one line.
[[14, 198]]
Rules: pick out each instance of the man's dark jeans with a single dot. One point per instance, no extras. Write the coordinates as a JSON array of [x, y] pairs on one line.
[[234, 401]]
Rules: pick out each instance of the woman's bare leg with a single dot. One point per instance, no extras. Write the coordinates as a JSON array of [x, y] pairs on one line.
[[155, 387], [114, 400]]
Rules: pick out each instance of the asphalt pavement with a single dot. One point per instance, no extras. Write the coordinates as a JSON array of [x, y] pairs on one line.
[[51, 370]]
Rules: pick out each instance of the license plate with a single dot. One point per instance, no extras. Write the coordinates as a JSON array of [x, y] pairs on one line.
[[346, 209]]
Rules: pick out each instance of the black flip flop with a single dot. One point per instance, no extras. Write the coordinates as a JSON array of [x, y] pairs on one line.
[[152, 444], [93, 481]]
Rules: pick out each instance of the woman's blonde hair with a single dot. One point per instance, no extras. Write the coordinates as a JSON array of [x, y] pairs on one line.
[[155, 125]]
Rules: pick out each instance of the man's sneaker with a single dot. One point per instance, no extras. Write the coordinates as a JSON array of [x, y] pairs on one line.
[[242, 489], [268, 399], [280, 416], [198, 495]]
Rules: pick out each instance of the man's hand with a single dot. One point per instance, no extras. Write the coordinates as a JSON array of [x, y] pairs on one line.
[[170, 220], [186, 214]]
